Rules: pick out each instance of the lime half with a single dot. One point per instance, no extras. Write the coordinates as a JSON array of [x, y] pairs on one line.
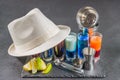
[[40, 64], [48, 69]]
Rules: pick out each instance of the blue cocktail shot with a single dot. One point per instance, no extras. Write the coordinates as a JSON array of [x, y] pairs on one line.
[[47, 55], [83, 39], [70, 44]]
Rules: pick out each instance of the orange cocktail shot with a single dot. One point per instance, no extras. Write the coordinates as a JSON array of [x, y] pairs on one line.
[[90, 31], [95, 42]]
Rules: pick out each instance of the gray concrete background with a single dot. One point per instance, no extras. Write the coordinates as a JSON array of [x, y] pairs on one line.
[[62, 12]]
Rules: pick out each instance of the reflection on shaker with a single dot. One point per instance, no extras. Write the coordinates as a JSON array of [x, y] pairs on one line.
[[89, 58]]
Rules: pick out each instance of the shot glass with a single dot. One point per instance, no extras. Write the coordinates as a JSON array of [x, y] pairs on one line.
[[59, 51], [48, 55], [83, 41], [96, 42], [70, 46], [92, 30]]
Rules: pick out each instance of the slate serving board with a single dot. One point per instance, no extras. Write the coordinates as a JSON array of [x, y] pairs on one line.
[[59, 72]]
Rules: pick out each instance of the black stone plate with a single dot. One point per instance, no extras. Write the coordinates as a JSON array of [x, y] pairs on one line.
[[59, 72]]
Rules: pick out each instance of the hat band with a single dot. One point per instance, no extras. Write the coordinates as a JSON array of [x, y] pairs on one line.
[[34, 43]]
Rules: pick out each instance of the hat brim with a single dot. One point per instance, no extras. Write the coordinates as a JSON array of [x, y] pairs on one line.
[[60, 36]]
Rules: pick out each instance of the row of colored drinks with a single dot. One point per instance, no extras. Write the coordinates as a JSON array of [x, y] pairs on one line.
[[72, 47]]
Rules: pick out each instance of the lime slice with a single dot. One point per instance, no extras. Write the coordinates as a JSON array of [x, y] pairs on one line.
[[40, 64], [34, 65], [27, 66], [48, 69]]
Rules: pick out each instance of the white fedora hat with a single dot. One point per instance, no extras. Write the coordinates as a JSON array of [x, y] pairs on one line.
[[34, 33]]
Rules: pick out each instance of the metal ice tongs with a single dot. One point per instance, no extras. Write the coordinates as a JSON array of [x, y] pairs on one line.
[[69, 67]]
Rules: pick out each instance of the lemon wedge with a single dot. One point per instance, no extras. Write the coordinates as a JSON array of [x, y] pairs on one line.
[[48, 69], [34, 65], [27, 66]]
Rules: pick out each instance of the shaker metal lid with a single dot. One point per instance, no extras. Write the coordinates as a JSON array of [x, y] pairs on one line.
[[88, 51]]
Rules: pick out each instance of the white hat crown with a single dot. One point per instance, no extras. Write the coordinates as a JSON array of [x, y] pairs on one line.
[[31, 30]]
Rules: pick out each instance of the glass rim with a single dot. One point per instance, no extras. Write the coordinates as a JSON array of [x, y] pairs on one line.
[[97, 34], [72, 33], [80, 33]]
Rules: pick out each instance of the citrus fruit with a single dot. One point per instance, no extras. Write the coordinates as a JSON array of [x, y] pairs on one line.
[[40, 64], [48, 68], [34, 65], [27, 66]]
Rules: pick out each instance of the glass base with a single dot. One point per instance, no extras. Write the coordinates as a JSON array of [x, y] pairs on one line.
[[97, 54], [70, 59], [70, 55], [60, 58], [48, 59], [97, 59]]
